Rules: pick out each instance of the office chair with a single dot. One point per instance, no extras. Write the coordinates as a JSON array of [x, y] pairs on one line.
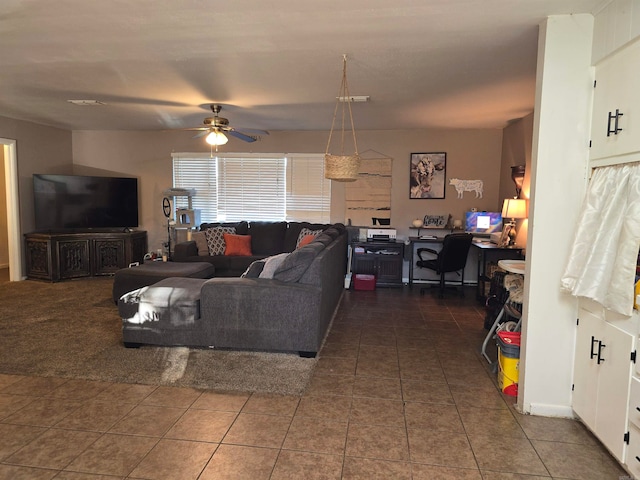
[[451, 258]]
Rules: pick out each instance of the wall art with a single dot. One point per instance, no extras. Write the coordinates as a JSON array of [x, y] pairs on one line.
[[427, 175]]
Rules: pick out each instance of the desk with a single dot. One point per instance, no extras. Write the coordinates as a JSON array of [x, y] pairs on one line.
[[488, 251], [413, 241]]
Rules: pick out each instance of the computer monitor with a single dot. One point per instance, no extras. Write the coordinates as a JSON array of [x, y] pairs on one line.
[[483, 223]]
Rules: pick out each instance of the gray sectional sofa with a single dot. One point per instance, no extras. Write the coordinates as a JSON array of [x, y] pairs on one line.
[[267, 238], [283, 302]]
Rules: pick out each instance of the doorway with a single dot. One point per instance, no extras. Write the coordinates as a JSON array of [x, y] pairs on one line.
[[12, 234]]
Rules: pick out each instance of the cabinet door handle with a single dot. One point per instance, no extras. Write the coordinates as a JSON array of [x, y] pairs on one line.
[[638, 409], [600, 347], [638, 458], [615, 117], [593, 340]]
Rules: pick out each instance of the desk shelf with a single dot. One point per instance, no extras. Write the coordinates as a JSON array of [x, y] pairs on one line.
[[488, 255]]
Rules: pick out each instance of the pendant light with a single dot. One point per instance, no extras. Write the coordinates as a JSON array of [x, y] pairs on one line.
[[342, 168]]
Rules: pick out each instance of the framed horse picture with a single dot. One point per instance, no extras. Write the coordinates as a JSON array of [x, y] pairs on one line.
[[427, 175]]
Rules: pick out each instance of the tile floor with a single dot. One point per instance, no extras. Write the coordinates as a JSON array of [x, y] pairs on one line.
[[400, 392]]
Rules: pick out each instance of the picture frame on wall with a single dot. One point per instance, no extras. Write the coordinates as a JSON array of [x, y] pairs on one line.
[[427, 175]]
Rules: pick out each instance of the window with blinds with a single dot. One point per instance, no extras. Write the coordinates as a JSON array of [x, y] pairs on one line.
[[255, 186]]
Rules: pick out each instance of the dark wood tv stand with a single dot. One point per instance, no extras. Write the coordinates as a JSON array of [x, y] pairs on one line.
[[56, 256]]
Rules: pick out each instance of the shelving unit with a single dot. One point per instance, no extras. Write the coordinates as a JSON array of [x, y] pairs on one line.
[[62, 256], [181, 219], [382, 259]]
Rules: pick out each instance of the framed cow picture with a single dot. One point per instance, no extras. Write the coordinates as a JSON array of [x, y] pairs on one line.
[[427, 175]]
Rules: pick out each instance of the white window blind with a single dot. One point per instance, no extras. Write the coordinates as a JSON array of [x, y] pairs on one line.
[[308, 192], [255, 186], [200, 174], [251, 188]]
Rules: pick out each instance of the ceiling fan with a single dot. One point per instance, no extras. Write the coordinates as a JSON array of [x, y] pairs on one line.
[[216, 127]]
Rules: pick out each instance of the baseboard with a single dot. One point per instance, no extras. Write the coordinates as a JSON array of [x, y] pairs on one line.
[[544, 410], [435, 281]]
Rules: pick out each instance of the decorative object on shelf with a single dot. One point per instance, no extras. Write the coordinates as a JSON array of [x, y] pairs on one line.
[[417, 223], [342, 168], [435, 221], [380, 221], [517, 175], [512, 208], [427, 174], [457, 224], [462, 186]]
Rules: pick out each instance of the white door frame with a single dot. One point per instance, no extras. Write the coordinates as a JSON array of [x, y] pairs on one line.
[[13, 209]]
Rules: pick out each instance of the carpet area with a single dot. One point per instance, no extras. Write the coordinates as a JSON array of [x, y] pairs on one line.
[[72, 330]]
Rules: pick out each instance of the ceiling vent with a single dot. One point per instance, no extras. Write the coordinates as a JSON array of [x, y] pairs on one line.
[[86, 103]]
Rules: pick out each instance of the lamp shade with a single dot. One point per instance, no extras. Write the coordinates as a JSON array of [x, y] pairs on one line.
[[514, 208], [216, 137]]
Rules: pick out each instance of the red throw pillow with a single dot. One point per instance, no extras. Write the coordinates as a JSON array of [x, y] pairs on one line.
[[237, 244], [305, 240]]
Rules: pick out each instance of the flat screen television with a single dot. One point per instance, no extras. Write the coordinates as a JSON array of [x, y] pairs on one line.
[[483, 223], [76, 202]]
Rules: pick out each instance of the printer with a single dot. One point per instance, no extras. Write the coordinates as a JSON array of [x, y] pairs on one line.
[[381, 234]]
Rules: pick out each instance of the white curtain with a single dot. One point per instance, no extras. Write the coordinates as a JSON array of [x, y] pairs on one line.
[[602, 263]]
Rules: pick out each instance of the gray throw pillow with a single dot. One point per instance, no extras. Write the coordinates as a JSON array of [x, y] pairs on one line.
[[201, 243], [297, 262]]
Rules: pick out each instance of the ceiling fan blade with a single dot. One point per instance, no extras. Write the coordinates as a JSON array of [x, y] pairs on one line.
[[252, 131], [241, 136], [201, 134]]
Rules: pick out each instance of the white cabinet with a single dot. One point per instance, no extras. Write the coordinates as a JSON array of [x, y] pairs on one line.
[[616, 103], [602, 376]]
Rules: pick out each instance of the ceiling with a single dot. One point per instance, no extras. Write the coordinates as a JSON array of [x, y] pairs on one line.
[[274, 65]]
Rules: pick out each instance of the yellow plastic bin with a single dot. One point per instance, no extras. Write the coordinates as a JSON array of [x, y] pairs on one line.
[[508, 362]]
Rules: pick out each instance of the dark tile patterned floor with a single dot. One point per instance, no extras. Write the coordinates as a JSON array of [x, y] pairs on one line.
[[400, 392]]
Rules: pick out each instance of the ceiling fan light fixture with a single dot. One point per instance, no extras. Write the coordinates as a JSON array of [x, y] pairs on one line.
[[216, 137]]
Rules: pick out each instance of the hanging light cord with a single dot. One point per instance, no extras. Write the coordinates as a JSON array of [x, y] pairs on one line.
[[344, 94]]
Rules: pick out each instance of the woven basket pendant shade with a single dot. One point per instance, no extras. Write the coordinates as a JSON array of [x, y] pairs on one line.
[[342, 168]]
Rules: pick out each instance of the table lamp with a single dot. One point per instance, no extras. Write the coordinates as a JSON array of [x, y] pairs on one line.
[[514, 208]]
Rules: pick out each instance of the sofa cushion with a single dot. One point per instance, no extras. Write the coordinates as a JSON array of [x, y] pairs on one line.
[[271, 264], [324, 239], [267, 238], [333, 232], [293, 232], [237, 244], [297, 262], [242, 228], [215, 239], [201, 243]]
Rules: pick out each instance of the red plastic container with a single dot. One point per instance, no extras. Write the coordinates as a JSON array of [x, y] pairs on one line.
[[364, 282]]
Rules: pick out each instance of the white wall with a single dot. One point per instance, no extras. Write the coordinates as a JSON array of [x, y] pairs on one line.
[[4, 232], [471, 154], [39, 149], [558, 181]]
